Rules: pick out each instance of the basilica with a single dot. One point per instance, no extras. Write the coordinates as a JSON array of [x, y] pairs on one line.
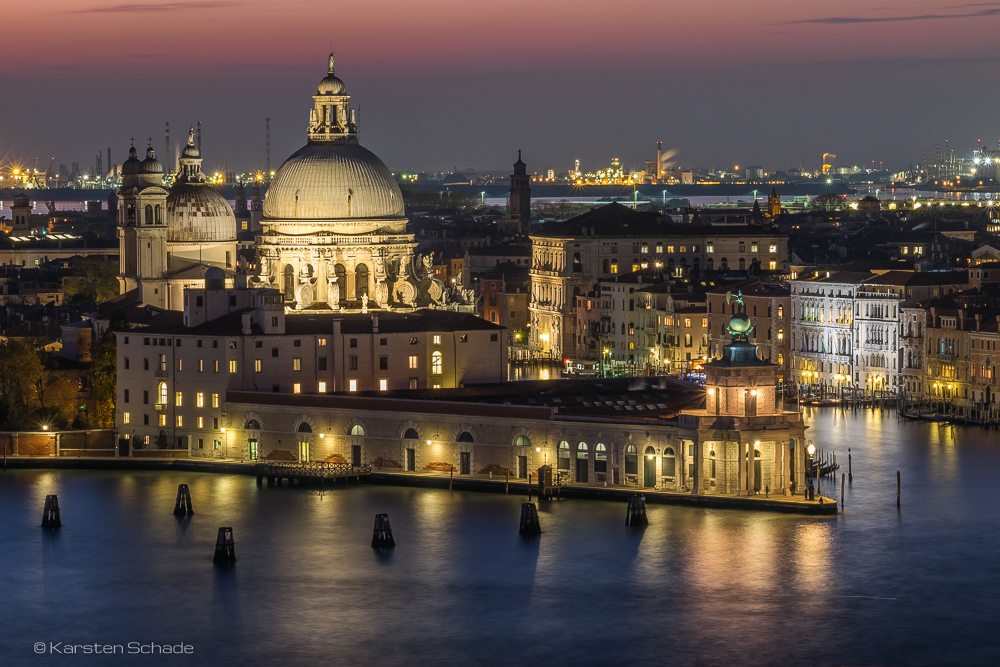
[[332, 236]]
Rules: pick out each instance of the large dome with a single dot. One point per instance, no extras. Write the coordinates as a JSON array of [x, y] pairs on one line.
[[330, 181], [198, 214]]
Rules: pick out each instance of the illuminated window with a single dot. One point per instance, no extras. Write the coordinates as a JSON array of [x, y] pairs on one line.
[[126, 418], [383, 385], [200, 399], [322, 387], [670, 249], [437, 386], [256, 365], [352, 385], [413, 361], [773, 248], [180, 420], [297, 364], [684, 248], [201, 365], [709, 247], [631, 346], [437, 363], [781, 334], [781, 311], [687, 322], [704, 323], [321, 342], [297, 388], [614, 266], [659, 248], [232, 365], [644, 249], [180, 399], [437, 339], [201, 422], [781, 358], [180, 364], [753, 247], [773, 265], [215, 366], [163, 419]]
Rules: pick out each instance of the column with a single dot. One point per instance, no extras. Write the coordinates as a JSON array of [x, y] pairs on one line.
[[800, 464], [682, 465], [696, 487], [741, 462], [783, 448]]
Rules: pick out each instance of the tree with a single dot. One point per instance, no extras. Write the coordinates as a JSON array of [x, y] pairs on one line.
[[104, 379], [20, 374], [58, 395], [94, 280], [828, 202]]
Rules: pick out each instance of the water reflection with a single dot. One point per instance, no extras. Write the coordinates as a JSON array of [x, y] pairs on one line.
[[696, 586]]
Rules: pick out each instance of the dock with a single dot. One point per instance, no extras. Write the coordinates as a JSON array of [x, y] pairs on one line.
[[311, 472]]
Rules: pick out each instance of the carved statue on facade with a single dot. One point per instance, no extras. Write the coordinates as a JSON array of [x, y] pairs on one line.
[[332, 292]]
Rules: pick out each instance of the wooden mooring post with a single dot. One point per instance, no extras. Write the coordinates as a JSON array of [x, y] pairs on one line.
[[635, 515], [50, 514], [897, 488], [183, 505], [451, 476], [841, 490], [529, 520], [850, 473], [225, 547], [507, 484], [382, 533]]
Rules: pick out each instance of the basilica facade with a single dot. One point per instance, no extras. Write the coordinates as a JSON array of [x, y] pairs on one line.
[[334, 231], [332, 234]]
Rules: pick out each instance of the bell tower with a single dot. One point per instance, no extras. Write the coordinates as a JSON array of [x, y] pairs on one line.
[[520, 196], [773, 203], [142, 229]]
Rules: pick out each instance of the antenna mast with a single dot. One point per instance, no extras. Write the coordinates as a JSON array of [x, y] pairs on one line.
[[267, 148]]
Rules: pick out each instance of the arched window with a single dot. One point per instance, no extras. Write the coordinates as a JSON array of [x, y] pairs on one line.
[[289, 281], [149, 214], [162, 391], [581, 450], [304, 427], [357, 429], [411, 434], [563, 463], [650, 452], [631, 461], [341, 274], [600, 458], [724, 263], [436, 363], [614, 266], [709, 264], [743, 264], [156, 215], [253, 425], [669, 462], [522, 441], [465, 436], [781, 312], [711, 458], [360, 281]]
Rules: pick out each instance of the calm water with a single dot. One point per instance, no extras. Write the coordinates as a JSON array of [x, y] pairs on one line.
[[697, 587]]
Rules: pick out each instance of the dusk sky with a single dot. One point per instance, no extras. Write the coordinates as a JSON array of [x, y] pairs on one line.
[[449, 82]]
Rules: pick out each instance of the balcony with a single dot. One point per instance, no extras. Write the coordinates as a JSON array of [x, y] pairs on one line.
[[160, 407], [160, 374]]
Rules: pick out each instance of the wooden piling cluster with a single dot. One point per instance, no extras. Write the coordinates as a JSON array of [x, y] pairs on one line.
[[50, 514], [225, 547], [382, 533], [530, 524], [183, 506], [635, 515]]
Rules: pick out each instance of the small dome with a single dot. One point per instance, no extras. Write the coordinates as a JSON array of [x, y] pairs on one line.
[[215, 278], [740, 323], [190, 151], [151, 165], [331, 85], [132, 165], [196, 213]]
